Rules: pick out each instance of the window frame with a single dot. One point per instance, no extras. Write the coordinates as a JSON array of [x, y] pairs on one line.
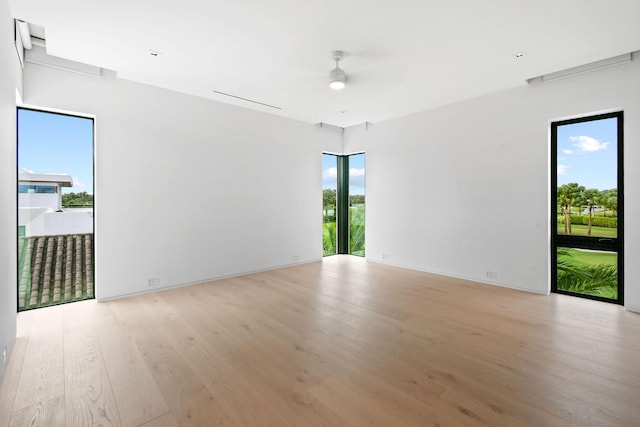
[[583, 242]]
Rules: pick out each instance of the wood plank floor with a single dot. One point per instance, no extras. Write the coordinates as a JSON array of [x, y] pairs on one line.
[[342, 342]]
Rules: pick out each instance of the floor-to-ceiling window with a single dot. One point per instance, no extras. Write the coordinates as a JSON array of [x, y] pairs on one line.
[[329, 207], [356, 204], [55, 208], [343, 207], [587, 222]]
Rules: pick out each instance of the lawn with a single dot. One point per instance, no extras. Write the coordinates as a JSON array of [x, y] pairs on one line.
[[587, 257], [581, 230], [588, 272]]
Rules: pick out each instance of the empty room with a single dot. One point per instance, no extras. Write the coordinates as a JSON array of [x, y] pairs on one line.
[[319, 214]]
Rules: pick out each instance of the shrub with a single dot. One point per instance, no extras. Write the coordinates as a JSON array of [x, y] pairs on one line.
[[329, 218], [596, 221], [329, 246], [602, 221]]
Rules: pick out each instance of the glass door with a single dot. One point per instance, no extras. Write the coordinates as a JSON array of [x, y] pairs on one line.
[[587, 222]]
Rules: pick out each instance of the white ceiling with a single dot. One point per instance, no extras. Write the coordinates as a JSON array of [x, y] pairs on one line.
[[401, 56]]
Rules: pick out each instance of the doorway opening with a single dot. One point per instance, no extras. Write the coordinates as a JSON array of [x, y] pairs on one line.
[[587, 218], [343, 204], [55, 197]]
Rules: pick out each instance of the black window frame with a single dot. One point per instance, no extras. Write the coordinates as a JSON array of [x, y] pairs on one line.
[[93, 166], [582, 242], [342, 204]]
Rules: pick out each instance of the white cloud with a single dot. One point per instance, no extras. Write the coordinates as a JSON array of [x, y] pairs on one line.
[[78, 185], [587, 143], [330, 177], [356, 177], [562, 169], [567, 151]]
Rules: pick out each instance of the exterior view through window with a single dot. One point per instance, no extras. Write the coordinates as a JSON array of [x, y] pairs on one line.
[[356, 204], [343, 204], [329, 206], [587, 225], [55, 209]]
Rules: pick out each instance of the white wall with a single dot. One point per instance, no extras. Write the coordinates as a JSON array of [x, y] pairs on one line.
[[464, 189], [53, 201], [9, 80], [189, 189], [48, 222]]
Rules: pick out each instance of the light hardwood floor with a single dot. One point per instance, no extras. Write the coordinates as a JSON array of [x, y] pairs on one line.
[[337, 343]]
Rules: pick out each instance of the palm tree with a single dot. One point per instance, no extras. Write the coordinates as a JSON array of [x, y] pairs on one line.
[[568, 195], [564, 203], [590, 195], [329, 246], [599, 280], [356, 230]]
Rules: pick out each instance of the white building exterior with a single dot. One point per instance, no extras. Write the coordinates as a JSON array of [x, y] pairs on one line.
[[40, 210], [41, 190]]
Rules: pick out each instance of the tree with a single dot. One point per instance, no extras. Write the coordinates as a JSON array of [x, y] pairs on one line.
[[328, 200], [77, 199], [590, 197], [568, 196], [356, 199], [612, 201], [609, 200]]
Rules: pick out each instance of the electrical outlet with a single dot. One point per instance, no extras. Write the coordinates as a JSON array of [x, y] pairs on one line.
[[4, 355], [492, 275], [154, 282], [295, 258], [386, 256]]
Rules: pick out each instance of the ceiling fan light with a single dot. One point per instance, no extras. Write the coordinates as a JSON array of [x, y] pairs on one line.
[[337, 79]]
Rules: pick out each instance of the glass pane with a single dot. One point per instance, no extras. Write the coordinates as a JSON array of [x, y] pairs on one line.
[[329, 190], [588, 272], [587, 202], [356, 204], [55, 209]]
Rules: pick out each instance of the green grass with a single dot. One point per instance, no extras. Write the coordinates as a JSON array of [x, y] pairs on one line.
[[581, 230], [588, 272], [585, 257], [579, 210]]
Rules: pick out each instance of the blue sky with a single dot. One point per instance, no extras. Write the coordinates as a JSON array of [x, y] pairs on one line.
[[55, 143], [587, 154], [356, 173]]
